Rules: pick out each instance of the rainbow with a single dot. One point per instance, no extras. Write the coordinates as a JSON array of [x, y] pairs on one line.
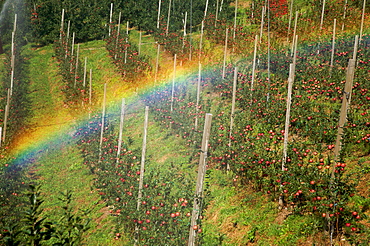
[[54, 131]]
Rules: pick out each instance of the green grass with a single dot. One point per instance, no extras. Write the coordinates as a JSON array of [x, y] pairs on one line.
[[148, 46], [103, 71], [45, 82], [59, 165], [163, 148], [72, 175], [237, 216]]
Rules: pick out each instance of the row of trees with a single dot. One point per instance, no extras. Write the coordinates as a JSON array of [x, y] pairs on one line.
[[14, 86], [92, 18], [8, 11], [311, 183], [32, 228]]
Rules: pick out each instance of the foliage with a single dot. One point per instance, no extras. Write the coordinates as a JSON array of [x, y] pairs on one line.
[[86, 18], [162, 214], [126, 56], [253, 149], [35, 229], [309, 15], [75, 80], [90, 19], [15, 88], [7, 20], [12, 202], [174, 42], [71, 226]]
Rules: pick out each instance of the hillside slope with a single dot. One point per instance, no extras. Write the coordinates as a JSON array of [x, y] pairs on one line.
[[62, 147]]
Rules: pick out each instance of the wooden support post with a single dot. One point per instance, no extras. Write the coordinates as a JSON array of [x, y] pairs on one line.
[[90, 93], [173, 81], [142, 166], [6, 121], [76, 71], [185, 21], [333, 47], [122, 116], [159, 12], [140, 36], [191, 48], [157, 63], [102, 122], [232, 111], [6, 115], [344, 14], [225, 54], [346, 101], [355, 48], [12, 51], [90, 88], [235, 17], [198, 96], [142, 170], [68, 30], [118, 33], [295, 53], [287, 116], [73, 44], [290, 20], [15, 23], [168, 17], [201, 41], [216, 17], [12, 61], [110, 19], [127, 24], [362, 20], [67, 39], [85, 73], [254, 62], [205, 10], [191, 32], [11, 82], [262, 22], [294, 31], [62, 25], [322, 15], [197, 205], [84, 83]]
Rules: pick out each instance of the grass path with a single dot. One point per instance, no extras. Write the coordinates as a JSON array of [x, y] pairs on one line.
[[61, 169], [58, 165], [48, 116]]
